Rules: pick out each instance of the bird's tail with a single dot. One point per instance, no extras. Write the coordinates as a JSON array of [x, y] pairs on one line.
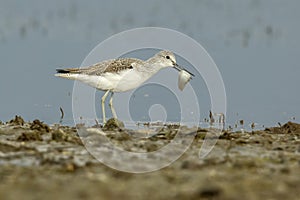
[[62, 71], [69, 73]]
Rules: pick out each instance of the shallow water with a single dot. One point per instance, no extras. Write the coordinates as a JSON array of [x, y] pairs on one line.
[[254, 43]]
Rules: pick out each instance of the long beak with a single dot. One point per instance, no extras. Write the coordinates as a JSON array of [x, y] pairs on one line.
[[179, 68]]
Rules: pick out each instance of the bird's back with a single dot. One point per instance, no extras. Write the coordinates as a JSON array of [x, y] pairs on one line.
[[108, 66]]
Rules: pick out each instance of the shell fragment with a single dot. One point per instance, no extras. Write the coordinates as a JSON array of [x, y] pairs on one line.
[[183, 78]]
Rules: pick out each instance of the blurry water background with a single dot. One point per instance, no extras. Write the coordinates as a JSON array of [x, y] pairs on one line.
[[255, 44]]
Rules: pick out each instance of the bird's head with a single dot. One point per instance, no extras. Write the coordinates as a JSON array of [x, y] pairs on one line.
[[167, 59]]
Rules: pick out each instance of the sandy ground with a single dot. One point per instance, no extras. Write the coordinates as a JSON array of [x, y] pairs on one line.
[[38, 161]]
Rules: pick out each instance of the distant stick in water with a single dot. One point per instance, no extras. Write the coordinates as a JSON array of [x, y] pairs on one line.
[[211, 118], [62, 115]]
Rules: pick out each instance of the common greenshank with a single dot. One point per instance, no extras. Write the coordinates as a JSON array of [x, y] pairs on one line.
[[120, 75]]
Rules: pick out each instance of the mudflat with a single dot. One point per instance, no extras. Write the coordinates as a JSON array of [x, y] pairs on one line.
[[39, 161]]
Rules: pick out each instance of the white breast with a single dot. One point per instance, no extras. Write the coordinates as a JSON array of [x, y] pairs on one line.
[[125, 80]]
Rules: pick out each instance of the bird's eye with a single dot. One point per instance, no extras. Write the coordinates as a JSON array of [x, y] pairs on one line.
[[167, 57]]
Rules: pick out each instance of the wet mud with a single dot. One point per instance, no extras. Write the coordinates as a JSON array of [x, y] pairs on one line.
[[40, 161]]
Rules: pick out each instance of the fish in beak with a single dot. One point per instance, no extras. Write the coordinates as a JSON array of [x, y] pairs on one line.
[[184, 76]]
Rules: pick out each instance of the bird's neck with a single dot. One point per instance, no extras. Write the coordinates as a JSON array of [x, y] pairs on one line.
[[153, 66]]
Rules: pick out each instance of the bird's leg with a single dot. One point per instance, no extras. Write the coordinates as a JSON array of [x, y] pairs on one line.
[[111, 106], [103, 106]]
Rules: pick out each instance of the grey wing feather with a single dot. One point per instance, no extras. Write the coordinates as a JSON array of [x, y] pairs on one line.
[[121, 64], [114, 65]]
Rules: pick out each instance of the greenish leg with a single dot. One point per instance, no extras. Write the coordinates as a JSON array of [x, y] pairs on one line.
[[111, 106], [103, 106]]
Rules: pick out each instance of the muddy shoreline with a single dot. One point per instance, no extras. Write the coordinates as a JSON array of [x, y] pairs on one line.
[[38, 161]]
